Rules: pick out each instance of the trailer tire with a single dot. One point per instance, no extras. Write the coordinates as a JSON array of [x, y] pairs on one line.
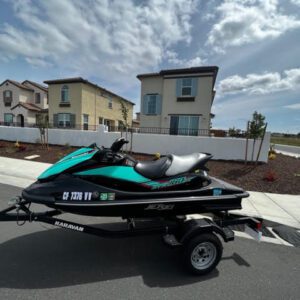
[[202, 253]]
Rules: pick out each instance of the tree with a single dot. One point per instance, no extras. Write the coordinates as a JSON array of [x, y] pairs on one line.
[[256, 128], [125, 113], [43, 125], [234, 132]]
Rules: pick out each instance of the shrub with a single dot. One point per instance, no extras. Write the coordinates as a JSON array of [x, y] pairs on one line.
[[270, 176]]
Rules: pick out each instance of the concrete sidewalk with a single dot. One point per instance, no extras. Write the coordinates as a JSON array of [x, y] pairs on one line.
[[284, 209]]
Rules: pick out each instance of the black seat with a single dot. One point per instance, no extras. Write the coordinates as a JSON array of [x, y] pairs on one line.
[[153, 169], [186, 163]]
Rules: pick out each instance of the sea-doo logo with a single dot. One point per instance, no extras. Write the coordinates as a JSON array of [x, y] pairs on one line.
[[68, 226], [160, 207]]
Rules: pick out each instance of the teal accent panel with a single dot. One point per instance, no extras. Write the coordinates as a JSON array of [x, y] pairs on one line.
[[76, 152], [68, 161], [117, 172]]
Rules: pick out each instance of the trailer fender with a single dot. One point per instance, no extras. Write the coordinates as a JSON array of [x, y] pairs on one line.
[[195, 227]]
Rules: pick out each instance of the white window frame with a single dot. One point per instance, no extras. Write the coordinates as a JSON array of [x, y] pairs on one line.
[[110, 102], [12, 118], [186, 86], [64, 120], [64, 94], [152, 105]]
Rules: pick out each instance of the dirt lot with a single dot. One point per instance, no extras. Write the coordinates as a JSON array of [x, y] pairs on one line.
[[281, 175]]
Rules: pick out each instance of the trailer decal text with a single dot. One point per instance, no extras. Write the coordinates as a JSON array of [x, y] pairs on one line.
[[68, 226]]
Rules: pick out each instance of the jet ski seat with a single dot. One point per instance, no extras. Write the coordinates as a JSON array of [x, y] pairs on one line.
[[170, 165], [153, 169], [185, 163]]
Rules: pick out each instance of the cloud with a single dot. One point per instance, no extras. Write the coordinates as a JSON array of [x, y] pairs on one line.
[[172, 58], [296, 2], [248, 21], [261, 83], [293, 106], [113, 39]]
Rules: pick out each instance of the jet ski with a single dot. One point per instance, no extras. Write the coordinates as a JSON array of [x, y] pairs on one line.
[[99, 181]]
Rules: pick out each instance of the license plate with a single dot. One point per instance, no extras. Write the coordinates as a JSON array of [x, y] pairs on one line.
[[253, 233]]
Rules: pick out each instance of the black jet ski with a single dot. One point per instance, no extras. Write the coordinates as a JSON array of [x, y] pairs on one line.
[[105, 182], [100, 181]]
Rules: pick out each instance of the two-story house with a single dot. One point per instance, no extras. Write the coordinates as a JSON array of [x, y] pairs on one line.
[[79, 103], [178, 101], [22, 103]]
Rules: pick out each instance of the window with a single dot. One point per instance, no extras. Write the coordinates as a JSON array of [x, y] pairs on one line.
[[110, 102], [65, 94], [8, 119], [64, 120], [7, 97], [186, 89], [152, 104], [86, 122], [100, 120], [37, 98], [184, 125]]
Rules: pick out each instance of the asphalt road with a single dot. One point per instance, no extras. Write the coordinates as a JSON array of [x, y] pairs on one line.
[[46, 263]]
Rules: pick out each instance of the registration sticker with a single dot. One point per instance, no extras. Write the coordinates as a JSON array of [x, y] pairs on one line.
[[217, 192], [107, 196]]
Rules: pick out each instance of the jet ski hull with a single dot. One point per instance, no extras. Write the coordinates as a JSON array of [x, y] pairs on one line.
[[82, 197]]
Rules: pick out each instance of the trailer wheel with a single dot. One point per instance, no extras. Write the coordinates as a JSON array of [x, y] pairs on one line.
[[202, 253]]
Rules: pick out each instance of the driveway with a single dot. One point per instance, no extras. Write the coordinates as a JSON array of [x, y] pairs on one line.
[[39, 262]]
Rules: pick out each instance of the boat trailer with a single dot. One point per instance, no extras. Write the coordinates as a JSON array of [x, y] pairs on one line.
[[198, 237]]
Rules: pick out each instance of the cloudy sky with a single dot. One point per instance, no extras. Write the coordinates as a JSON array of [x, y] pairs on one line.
[[255, 43]]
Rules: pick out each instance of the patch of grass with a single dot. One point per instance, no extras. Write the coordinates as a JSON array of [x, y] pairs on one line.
[[286, 141]]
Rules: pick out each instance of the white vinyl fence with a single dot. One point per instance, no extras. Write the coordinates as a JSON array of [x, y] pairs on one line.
[[226, 148]]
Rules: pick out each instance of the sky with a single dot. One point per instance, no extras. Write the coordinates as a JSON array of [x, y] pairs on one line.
[[255, 44]]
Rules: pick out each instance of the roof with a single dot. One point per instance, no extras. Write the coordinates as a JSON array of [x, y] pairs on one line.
[[17, 84], [40, 86], [28, 106], [192, 70], [82, 80]]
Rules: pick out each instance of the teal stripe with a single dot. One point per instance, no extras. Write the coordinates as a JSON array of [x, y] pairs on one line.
[[67, 162], [117, 172]]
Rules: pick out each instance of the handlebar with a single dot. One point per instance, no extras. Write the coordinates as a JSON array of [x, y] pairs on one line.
[[118, 144]]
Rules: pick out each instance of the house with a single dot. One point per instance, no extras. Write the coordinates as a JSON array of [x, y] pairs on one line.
[[79, 103], [21, 104], [178, 101], [136, 121]]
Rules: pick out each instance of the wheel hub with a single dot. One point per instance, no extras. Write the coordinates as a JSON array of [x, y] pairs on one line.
[[203, 255]]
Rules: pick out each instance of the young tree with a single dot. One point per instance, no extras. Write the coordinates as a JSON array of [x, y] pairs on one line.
[[125, 113], [43, 125], [256, 128]]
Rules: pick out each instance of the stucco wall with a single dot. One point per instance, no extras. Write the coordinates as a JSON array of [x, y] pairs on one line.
[[43, 94], [7, 109], [54, 91], [92, 96], [166, 87], [221, 148]]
